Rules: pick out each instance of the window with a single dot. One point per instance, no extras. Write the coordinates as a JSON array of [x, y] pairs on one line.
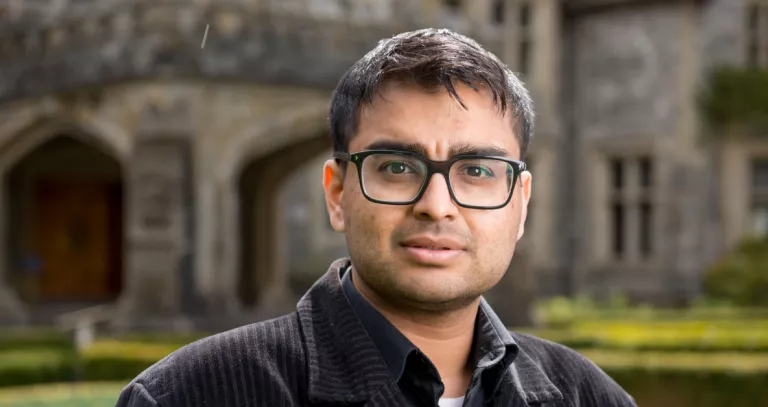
[[617, 231], [646, 172], [631, 207], [760, 197], [526, 37], [757, 34], [617, 174], [499, 12], [453, 5]]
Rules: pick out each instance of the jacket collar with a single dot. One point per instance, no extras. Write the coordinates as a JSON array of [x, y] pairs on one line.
[[345, 365]]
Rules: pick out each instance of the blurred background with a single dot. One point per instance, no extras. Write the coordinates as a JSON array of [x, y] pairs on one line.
[[160, 167]]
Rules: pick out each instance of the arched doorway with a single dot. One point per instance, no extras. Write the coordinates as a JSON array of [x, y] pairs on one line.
[[260, 186], [64, 212]]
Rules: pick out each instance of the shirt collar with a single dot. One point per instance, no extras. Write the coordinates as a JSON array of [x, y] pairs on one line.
[[492, 341], [393, 345], [344, 365]]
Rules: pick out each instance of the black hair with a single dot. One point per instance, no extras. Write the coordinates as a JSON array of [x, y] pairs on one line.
[[430, 58]]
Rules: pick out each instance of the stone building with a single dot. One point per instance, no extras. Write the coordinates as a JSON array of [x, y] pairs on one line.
[[181, 182]]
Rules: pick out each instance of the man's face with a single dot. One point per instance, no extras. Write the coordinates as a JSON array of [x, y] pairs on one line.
[[381, 238]]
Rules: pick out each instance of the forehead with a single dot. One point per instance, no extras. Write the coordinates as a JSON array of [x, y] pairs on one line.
[[407, 113]]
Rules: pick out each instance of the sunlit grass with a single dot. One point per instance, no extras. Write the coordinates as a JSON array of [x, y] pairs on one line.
[[110, 348], [62, 395], [732, 362]]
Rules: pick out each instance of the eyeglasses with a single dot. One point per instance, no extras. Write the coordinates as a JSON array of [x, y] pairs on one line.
[[400, 177]]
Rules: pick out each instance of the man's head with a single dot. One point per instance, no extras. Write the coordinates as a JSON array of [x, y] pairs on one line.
[[438, 95]]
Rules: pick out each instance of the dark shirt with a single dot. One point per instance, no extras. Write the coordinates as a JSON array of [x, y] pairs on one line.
[[322, 356], [414, 373]]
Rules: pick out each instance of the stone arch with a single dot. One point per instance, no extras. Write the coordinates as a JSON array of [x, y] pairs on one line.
[[272, 150], [31, 135], [260, 139], [17, 141]]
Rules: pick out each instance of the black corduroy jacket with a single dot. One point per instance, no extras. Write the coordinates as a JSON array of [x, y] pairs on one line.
[[321, 355]]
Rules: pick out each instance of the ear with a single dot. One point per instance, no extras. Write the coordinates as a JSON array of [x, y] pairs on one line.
[[333, 184], [526, 182]]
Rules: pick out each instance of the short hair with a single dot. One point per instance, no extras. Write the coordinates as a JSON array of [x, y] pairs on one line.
[[430, 58]]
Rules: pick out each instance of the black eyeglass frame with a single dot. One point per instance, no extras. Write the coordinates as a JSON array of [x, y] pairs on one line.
[[433, 167]]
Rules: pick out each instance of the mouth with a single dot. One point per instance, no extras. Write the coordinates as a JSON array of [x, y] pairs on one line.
[[433, 251], [428, 247]]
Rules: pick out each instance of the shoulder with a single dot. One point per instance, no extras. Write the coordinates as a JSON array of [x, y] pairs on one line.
[[578, 378], [225, 368]]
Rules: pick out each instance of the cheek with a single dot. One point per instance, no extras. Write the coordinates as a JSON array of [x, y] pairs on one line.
[[496, 227], [367, 221]]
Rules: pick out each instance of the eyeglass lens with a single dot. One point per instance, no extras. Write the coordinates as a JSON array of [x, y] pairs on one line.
[[482, 182]]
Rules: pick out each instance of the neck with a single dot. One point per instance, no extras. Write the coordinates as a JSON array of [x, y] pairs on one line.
[[445, 337]]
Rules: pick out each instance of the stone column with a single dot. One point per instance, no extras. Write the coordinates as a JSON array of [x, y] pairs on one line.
[[12, 310], [275, 297], [159, 278], [223, 295]]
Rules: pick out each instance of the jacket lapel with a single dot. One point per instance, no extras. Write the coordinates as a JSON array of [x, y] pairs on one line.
[[345, 367], [525, 384]]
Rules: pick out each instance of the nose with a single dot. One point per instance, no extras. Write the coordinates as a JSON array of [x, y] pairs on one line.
[[436, 202]]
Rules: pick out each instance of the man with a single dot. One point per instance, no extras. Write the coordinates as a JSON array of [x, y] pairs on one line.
[[428, 186]]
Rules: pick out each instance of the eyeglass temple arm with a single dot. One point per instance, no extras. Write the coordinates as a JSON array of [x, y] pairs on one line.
[[342, 156]]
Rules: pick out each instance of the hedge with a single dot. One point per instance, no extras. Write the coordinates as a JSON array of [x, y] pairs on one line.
[[688, 379], [672, 336], [692, 389], [62, 394], [678, 379], [34, 339], [34, 366], [106, 360]]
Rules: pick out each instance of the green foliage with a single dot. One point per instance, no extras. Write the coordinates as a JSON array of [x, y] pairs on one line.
[[104, 360], [670, 388], [667, 336], [735, 98], [62, 395], [37, 338], [561, 312], [31, 366], [681, 379], [741, 277]]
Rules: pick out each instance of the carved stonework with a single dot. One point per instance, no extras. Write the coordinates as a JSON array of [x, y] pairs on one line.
[[159, 239], [163, 39], [626, 75]]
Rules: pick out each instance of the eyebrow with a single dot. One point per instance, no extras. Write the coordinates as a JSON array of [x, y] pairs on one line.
[[458, 149]]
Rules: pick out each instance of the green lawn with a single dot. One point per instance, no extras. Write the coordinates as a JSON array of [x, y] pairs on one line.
[[62, 395]]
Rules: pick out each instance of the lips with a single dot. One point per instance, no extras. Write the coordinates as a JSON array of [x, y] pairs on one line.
[[433, 252], [430, 243]]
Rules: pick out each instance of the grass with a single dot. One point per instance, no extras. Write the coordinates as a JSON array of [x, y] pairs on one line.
[[725, 362], [668, 335], [62, 395], [26, 357], [110, 348]]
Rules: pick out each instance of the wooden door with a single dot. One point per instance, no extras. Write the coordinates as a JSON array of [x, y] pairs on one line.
[[74, 240]]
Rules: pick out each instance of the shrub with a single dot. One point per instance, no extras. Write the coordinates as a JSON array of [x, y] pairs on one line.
[[688, 379], [34, 339], [741, 276], [32, 366], [662, 335], [735, 98], [679, 379], [692, 389]]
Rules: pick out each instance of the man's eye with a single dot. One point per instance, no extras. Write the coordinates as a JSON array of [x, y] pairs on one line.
[[478, 171], [396, 167]]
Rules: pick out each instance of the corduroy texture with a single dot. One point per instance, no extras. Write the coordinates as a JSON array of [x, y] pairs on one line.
[[322, 356]]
